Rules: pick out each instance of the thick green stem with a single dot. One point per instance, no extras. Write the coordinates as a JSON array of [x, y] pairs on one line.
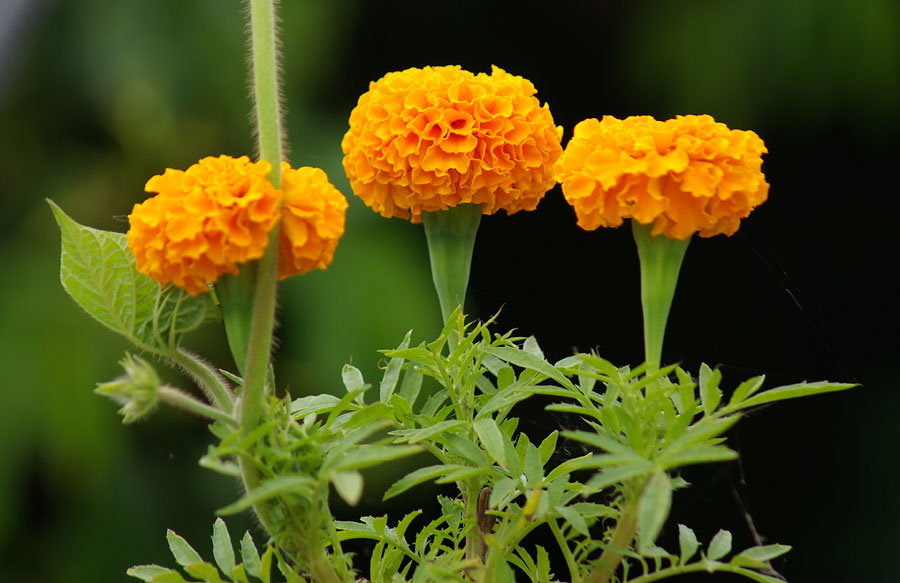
[[262, 320], [660, 259], [185, 402], [622, 536], [451, 239]]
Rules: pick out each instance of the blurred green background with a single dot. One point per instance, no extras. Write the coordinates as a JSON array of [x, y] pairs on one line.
[[97, 95]]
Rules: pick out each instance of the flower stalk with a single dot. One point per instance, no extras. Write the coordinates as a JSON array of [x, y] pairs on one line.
[[660, 259], [451, 239], [268, 120], [262, 319]]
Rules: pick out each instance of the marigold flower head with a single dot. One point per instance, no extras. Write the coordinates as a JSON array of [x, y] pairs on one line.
[[203, 221], [432, 138], [312, 220], [685, 175]]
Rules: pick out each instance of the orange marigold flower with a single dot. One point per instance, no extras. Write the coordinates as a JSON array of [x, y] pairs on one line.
[[312, 220], [203, 221], [685, 175], [430, 139]]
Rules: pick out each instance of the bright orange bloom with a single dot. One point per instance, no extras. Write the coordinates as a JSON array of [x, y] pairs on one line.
[[685, 175], [312, 220], [430, 139], [204, 221]]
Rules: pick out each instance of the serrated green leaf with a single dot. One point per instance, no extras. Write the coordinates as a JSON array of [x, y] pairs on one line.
[[462, 473], [265, 565], [503, 573], [531, 346], [700, 431], [759, 556], [719, 546], [698, 454], [574, 519], [239, 574], [503, 488], [653, 509], [348, 485], [366, 456], [543, 565], [710, 393], [618, 474], [600, 441], [534, 469], [392, 373], [794, 391], [462, 447], [352, 378], [548, 447], [183, 552], [146, 572], [97, 269], [168, 577], [313, 404], [423, 433], [223, 552], [249, 555], [411, 385], [272, 488], [747, 389], [531, 362], [287, 571], [687, 543], [506, 397], [204, 571], [505, 377], [491, 439], [756, 576]]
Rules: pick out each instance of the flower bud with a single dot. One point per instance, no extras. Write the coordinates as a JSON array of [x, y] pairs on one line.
[[137, 391]]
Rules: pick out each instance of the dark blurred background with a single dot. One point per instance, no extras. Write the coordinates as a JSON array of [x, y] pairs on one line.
[[98, 95]]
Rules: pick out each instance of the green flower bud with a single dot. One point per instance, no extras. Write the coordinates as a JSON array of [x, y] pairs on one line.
[[137, 391]]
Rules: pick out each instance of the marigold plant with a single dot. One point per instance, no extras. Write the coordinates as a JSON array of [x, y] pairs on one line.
[[312, 220], [204, 221], [685, 175], [442, 146], [432, 138]]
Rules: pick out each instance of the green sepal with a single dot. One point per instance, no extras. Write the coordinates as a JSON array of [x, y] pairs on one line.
[[450, 235]]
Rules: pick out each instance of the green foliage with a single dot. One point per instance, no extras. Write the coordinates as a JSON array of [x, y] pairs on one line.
[[98, 271], [253, 567], [646, 424]]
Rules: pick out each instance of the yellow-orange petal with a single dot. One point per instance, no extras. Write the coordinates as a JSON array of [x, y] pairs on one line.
[[685, 175], [313, 215], [203, 221], [428, 139]]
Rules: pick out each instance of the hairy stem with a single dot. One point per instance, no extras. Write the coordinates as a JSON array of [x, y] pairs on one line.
[[262, 321], [621, 539], [208, 379], [185, 402]]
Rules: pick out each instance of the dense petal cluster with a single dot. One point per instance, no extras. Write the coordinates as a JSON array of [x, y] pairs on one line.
[[217, 214], [312, 221], [430, 139], [685, 175], [204, 221]]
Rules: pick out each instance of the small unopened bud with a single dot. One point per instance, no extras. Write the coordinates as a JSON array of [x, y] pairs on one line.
[[137, 391]]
